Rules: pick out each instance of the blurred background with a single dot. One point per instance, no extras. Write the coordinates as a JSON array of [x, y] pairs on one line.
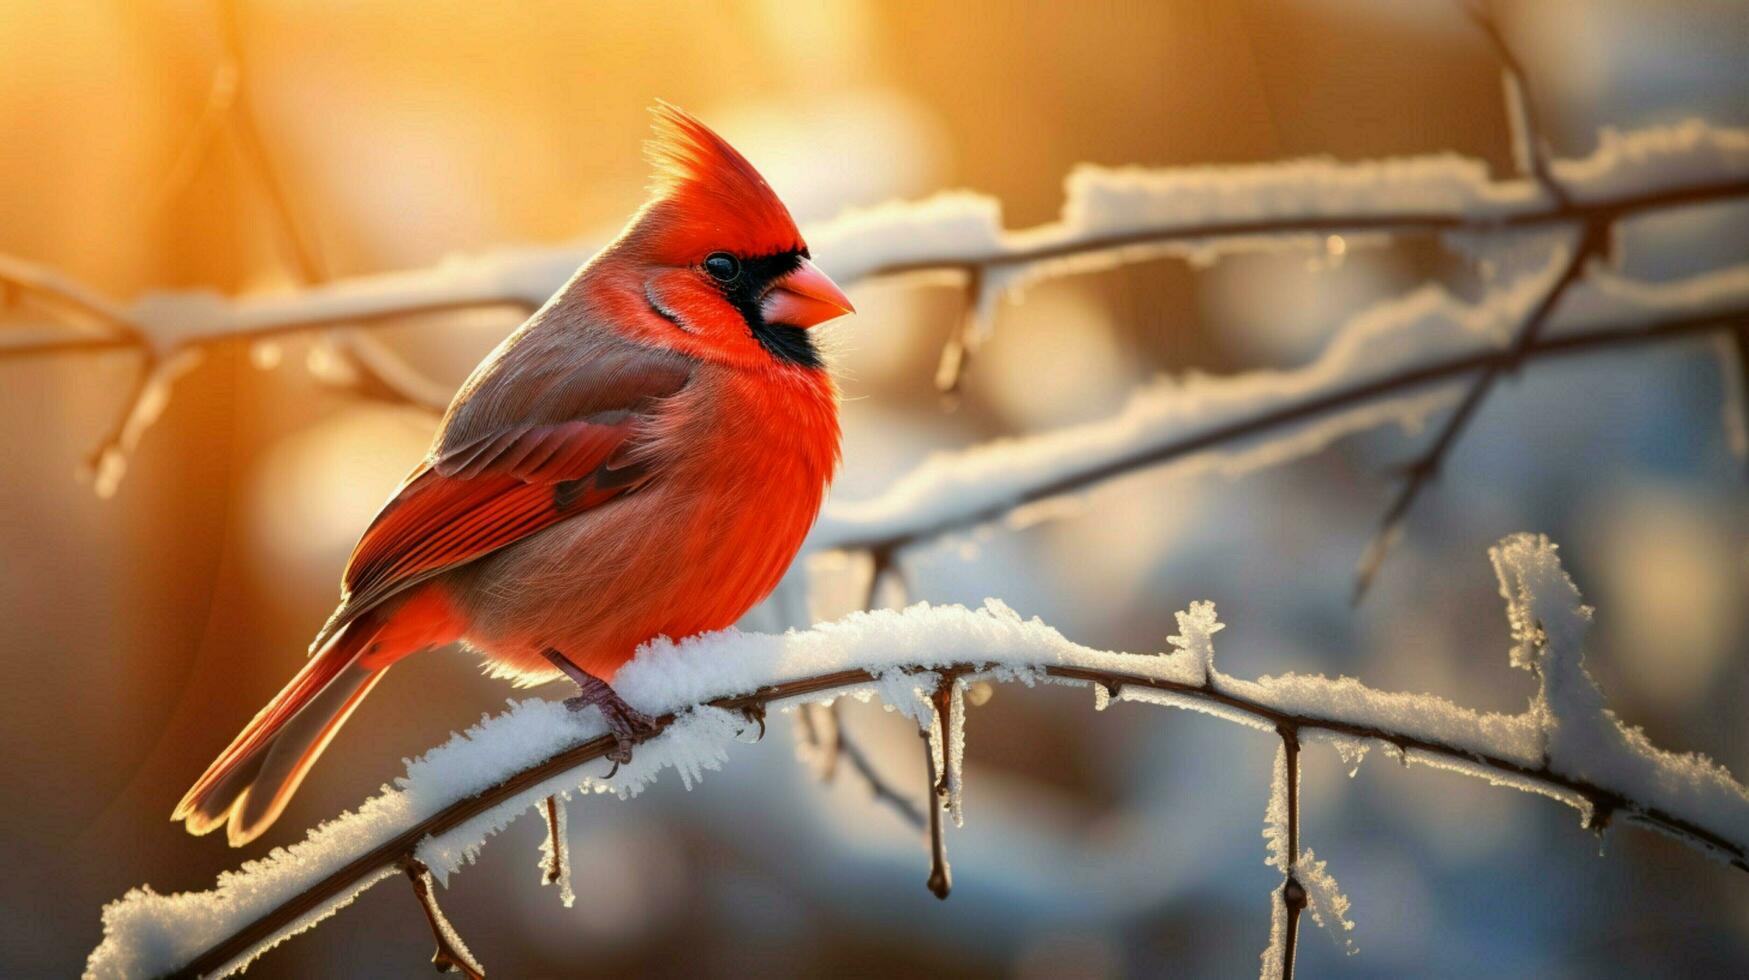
[[146, 628]]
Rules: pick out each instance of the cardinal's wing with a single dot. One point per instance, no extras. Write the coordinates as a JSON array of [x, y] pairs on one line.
[[542, 433]]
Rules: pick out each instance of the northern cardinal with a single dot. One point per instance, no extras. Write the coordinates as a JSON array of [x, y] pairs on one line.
[[642, 457]]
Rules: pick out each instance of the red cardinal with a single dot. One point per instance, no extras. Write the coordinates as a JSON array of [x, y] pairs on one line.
[[643, 457]]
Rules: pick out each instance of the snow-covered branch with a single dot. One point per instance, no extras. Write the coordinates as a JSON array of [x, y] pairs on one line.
[[1393, 363], [1109, 214], [1110, 217], [711, 691]]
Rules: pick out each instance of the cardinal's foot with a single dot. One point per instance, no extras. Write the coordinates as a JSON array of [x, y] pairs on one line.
[[626, 724]]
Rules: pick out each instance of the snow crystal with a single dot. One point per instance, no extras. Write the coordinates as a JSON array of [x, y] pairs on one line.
[[1271, 967], [1352, 751], [1275, 814], [1584, 739], [1194, 702], [1512, 738], [1195, 637], [956, 753], [907, 692], [1324, 899], [1501, 777], [147, 934]]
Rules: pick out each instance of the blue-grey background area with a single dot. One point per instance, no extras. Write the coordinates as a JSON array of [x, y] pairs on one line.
[[143, 630]]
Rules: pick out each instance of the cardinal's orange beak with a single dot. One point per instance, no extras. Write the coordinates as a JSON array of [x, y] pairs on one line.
[[804, 298]]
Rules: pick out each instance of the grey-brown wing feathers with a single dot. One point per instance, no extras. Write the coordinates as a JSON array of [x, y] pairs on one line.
[[545, 430]]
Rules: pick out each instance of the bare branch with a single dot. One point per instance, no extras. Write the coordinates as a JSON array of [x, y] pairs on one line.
[[818, 728], [452, 954], [239, 113], [1532, 155], [880, 565], [878, 785], [1420, 473], [956, 354], [1293, 894], [1530, 147], [822, 726], [944, 777], [29, 279], [940, 875]]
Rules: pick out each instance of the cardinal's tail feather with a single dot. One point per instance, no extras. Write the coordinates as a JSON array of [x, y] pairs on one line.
[[249, 784]]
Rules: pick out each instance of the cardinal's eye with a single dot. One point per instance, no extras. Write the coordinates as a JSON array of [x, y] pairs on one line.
[[722, 266]]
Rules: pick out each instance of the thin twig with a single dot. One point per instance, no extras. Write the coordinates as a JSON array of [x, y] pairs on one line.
[[1293, 894], [452, 955], [880, 564], [378, 373], [940, 876], [23, 278], [819, 731], [1534, 159], [956, 354], [215, 108], [389, 853], [823, 726], [878, 785], [935, 744], [555, 842], [256, 319], [1418, 474], [240, 114], [1521, 103]]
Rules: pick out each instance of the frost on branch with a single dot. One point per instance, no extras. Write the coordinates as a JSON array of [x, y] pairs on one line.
[[1110, 217], [1306, 878], [1195, 638], [1581, 737], [1393, 363], [453, 800]]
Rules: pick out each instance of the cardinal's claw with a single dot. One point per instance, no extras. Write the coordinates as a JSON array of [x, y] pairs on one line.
[[626, 724], [756, 712]]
